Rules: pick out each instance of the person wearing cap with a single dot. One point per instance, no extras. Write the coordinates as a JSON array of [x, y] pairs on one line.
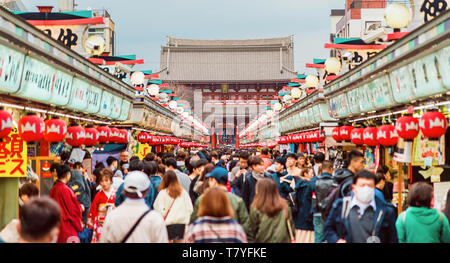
[[219, 178], [282, 178], [132, 222]]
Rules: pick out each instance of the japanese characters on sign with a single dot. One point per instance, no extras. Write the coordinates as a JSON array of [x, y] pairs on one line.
[[13, 156]]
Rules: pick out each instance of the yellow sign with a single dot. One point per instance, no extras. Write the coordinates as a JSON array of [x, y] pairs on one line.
[[142, 149], [13, 156]]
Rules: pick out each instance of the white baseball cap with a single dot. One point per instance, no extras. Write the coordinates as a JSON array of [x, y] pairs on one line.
[[136, 182]]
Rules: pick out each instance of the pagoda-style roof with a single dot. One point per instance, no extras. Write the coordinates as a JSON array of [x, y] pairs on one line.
[[246, 60]]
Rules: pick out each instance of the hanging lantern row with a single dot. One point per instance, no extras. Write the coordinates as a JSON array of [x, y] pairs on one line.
[[150, 139], [433, 125], [192, 144], [304, 137], [270, 144]]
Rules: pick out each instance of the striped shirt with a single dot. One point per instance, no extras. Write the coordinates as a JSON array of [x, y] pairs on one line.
[[208, 229]]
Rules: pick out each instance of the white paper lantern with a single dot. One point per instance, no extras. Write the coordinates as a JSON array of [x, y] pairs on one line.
[[180, 110], [397, 15], [153, 90], [296, 93], [287, 98], [137, 78], [312, 81], [277, 106], [333, 65], [173, 104], [269, 113], [163, 96]]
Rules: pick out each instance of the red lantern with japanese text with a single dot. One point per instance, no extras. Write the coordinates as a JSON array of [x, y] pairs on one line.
[[387, 136], [91, 136], [55, 130], [357, 136], [142, 137], [75, 136], [335, 134], [433, 124], [6, 123], [31, 128], [104, 134], [114, 137], [123, 136], [344, 133], [407, 127], [370, 136]]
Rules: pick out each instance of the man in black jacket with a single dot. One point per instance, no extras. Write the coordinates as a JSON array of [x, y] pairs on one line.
[[256, 172], [343, 177], [361, 217]]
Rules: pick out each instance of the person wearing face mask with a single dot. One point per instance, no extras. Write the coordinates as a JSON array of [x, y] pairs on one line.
[[361, 217]]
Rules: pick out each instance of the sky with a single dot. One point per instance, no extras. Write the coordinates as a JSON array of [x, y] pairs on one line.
[[143, 25]]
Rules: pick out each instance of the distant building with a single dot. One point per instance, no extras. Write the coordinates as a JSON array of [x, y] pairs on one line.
[[13, 5], [335, 16]]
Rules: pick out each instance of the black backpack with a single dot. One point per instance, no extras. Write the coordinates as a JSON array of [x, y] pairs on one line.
[[329, 192]]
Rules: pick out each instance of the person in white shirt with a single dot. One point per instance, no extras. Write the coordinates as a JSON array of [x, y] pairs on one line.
[[132, 221], [174, 204]]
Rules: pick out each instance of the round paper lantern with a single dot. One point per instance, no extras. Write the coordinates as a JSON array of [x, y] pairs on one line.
[[142, 137], [407, 127], [296, 93], [387, 136], [333, 65], [370, 136], [433, 124], [114, 137], [344, 133], [335, 134], [173, 104], [137, 78], [312, 81], [277, 106], [397, 15], [31, 128], [123, 136], [357, 136], [75, 136], [287, 98], [91, 136], [104, 134], [6, 123], [153, 90], [55, 130]]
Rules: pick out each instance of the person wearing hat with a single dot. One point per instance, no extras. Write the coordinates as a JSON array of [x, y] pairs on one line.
[[282, 178], [132, 221], [219, 178]]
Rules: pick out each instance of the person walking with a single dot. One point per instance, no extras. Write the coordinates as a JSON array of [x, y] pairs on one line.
[[421, 223], [133, 222], [282, 178], [198, 167], [361, 217], [174, 204], [238, 173], [80, 186], [354, 163], [102, 204], [304, 217], [265, 157], [257, 172], [215, 223], [71, 212], [183, 179], [270, 217]]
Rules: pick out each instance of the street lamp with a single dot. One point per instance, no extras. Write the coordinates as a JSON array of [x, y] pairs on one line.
[[333, 65], [397, 16]]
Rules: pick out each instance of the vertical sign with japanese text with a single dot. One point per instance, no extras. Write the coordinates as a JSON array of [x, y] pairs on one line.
[[13, 156]]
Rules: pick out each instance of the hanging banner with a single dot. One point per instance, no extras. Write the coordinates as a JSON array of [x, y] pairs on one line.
[[11, 67], [423, 149], [13, 156], [93, 95], [79, 99], [142, 149], [37, 80]]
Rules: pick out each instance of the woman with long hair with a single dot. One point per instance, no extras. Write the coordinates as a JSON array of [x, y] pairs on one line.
[[215, 223], [270, 216], [200, 186], [174, 204]]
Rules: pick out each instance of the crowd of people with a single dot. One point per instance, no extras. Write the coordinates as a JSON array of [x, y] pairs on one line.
[[225, 196]]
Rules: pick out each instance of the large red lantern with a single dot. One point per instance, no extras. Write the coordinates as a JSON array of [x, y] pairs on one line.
[[387, 136], [123, 136], [357, 136], [75, 136], [104, 133], [6, 123], [344, 133], [91, 136], [433, 124], [55, 130], [407, 127], [31, 128], [114, 137], [370, 136], [335, 134], [142, 137]]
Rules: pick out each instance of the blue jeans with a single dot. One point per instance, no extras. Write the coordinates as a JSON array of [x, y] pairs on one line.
[[319, 235]]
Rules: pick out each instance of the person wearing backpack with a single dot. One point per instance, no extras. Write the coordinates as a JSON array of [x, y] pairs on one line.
[[421, 223], [324, 184], [361, 217], [355, 163]]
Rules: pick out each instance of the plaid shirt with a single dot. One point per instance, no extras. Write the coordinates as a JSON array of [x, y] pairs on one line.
[[208, 229]]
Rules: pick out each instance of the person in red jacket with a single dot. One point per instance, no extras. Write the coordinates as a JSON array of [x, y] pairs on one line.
[[70, 208]]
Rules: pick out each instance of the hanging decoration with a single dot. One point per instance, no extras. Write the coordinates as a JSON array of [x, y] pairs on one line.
[[370, 136], [387, 136], [55, 130], [91, 136], [407, 127], [6, 123], [344, 133], [336, 135], [104, 133], [75, 136], [31, 128], [357, 136], [433, 124]]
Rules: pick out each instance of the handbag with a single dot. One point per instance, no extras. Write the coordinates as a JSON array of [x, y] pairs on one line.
[[291, 235], [134, 227], [168, 211]]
